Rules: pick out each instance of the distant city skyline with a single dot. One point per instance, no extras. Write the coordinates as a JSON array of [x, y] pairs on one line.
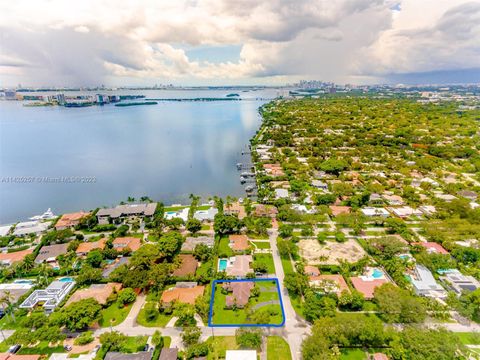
[[224, 42]]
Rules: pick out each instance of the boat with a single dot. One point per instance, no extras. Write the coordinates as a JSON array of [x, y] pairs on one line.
[[45, 216], [249, 188]]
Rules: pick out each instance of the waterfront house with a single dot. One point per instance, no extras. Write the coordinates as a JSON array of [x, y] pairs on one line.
[[31, 227], [70, 220], [123, 212], [235, 209]]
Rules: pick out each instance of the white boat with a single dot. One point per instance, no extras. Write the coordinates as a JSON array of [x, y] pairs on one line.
[[45, 216]]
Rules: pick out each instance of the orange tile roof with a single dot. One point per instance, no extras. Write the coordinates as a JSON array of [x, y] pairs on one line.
[[183, 295], [240, 242], [5, 356], [367, 287], [14, 257], [68, 220], [132, 243], [99, 292], [379, 356], [236, 208], [311, 270], [188, 265], [337, 279], [86, 247], [432, 247]]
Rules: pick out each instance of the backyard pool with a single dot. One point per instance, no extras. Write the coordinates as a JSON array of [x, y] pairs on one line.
[[66, 279], [222, 264], [376, 274]]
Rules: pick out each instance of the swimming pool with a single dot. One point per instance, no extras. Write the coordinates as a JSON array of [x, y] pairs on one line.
[[170, 212], [22, 281], [222, 264], [66, 279], [376, 274]]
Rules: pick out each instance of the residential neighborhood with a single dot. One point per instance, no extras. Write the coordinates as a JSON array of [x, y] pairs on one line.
[[357, 228]]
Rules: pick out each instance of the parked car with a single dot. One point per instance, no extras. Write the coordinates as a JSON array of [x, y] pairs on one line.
[[67, 347], [14, 348]]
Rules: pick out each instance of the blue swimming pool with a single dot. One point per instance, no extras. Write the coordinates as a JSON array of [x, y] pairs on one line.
[[222, 264], [376, 274], [66, 279], [171, 212]]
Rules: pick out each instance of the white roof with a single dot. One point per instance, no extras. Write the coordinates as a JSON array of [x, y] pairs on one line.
[[241, 355], [281, 193], [30, 227], [370, 211], [4, 229]]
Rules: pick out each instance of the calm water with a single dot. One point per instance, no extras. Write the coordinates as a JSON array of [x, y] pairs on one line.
[[164, 151]]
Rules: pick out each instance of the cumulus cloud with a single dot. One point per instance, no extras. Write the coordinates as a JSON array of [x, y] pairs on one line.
[[57, 42]]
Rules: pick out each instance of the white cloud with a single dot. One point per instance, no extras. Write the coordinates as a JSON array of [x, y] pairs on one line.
[[89, 42]]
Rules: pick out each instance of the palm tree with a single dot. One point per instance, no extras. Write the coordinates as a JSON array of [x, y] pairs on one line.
[[7, 300]]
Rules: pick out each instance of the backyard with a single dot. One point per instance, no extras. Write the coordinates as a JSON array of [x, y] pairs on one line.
[[262, 309], [278, 349]]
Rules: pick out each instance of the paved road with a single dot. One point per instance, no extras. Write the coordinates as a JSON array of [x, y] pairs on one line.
[[295, 329]]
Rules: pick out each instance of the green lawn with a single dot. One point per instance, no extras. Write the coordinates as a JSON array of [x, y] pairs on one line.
[[352, 354], [469, 338], [134, 344], [287, 266], [7, 323], [161, 321], [41, 349], [220, 344], [224, 247], [261, 244], [113, 315], [268, 292], [204, 268], [266, 259], [278, 349]]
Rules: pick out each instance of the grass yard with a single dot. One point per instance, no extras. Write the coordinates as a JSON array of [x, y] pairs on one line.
[[220, 344], [469, 338], [224, 248], [134, 344], [41, 349], [161, 321], [113, 315], [278, 349], [6, 323], [256, 305], [205, 268], [352, 354], [287, 266], [266, 259], [261, 244]]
